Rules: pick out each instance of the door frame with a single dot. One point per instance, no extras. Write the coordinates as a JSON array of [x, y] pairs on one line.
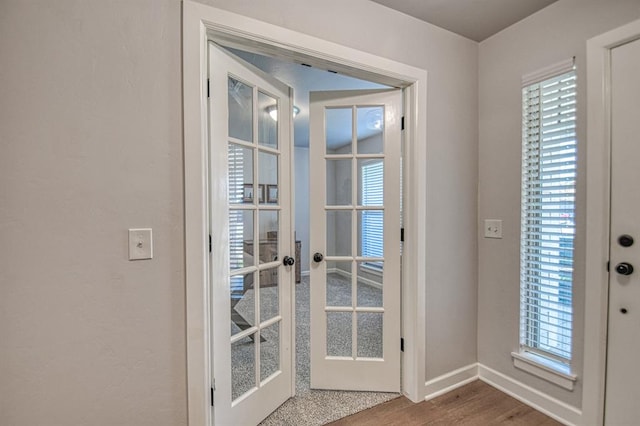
[[597, 216], [201, 23]]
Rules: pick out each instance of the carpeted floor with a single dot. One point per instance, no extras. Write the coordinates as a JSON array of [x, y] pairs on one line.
[[313, 407]]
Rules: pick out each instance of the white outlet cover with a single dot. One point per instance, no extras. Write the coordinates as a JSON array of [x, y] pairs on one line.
[[140, 244], [493, 228]]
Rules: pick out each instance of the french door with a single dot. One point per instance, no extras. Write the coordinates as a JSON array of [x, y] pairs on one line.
[[355, 239], [251, 270], [623, 340]]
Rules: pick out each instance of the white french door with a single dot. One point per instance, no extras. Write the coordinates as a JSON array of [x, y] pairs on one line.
[[355, 145], [623, 340], [251, 259]]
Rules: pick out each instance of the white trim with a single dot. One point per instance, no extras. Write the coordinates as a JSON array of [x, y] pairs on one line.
[[548, 72], [597, 216], [450, 381], [542, 402], [199, 20], [532, 364]]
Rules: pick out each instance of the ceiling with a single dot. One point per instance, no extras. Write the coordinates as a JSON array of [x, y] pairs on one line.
[[474, 19], [305, 79]]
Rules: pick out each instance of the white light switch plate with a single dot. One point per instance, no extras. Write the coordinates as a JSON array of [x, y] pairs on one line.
[[492, 228], [140, 244]]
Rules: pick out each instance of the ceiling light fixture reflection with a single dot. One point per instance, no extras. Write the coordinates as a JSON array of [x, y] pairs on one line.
[[273, 111]]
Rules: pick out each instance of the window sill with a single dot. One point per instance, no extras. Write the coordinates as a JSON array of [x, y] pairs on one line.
[[551, 371]]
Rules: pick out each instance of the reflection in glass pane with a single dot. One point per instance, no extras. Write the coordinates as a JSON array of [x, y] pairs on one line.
[[339, 328], [268, 228], [371, 233], [339, 233], [240, 110], [269, 294], [370, 130], [370, 284], [243, 366], [371, 182], [339, 190], [240, 239], [338, 283], [242, 302], [370, 334], [267, 126], [268, 178], [269, 350], [338, 127], [240, 161]]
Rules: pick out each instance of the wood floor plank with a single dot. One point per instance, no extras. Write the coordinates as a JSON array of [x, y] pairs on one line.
[[475, 404]]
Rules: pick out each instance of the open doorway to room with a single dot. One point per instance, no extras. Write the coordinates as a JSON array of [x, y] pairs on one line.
[[357, 281]]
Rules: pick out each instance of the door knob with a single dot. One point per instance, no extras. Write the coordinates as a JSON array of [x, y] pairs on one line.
[[318, 257], [625, 240], [624, 268], [288, 261]]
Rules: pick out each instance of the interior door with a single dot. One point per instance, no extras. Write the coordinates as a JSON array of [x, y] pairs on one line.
[[623, 375], [355, 239], [251, 268]]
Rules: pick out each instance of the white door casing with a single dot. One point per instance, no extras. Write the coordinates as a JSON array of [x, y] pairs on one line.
[[201, 23], [251, 233], [338, 359], [622, 375]]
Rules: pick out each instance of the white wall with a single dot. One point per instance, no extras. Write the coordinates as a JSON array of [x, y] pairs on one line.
[[90, 112], [558, 32], [301, 183], [90, 145]]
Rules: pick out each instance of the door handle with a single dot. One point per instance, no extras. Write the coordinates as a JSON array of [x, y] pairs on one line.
[[288, 261], [318, 257], [624, 268]]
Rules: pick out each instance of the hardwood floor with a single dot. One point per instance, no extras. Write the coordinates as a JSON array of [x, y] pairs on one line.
[[475, 404]]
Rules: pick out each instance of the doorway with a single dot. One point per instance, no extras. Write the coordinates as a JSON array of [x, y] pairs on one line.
[[363, 144], [202, 23]]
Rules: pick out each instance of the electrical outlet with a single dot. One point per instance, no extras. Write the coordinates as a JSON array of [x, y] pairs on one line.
[[140, 244], [492, 228]]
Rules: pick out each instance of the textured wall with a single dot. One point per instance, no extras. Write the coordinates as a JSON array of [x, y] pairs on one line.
[[91, 145], [556, 33]]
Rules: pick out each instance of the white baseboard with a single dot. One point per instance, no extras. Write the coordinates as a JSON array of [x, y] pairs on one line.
[[361, 279], [450, 381], [558, 410]]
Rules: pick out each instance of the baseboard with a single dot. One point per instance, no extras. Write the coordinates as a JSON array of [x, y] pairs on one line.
[[361, 279], [558, 410], [450, 381]]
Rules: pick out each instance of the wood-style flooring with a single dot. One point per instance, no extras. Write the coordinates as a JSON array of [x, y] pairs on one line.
[[475, 404]]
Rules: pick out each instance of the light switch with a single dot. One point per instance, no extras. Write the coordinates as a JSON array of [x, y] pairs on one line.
[[140, 244], [492, 228]]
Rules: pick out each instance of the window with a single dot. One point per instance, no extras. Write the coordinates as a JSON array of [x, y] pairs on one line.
[[548, 209], [372, 220]]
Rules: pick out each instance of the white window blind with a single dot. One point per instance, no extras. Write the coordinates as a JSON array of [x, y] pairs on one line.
[[548, 211], [372, 220]]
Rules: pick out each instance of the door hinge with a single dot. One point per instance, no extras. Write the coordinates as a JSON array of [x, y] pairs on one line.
[[212, 397], [608, 266], [402, 344], [208, 88], [402, 123], [210, 248], [402, 234]]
